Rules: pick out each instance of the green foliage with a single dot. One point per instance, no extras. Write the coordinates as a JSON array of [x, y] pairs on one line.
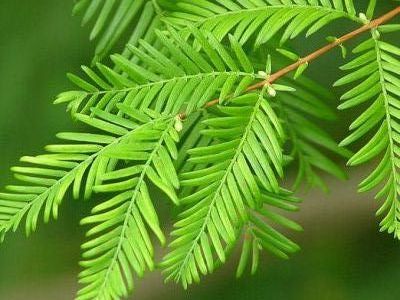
[[197, 107], [119, 241], [258, 234], [261, 20], [375, 71], [229, 175], [112, 18], [48, 177], [308, 140], [166, 76]]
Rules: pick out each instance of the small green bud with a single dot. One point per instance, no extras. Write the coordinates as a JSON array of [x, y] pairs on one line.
[[363, 18], [376, 34], [271, 91], [262, 74], [178, 124]]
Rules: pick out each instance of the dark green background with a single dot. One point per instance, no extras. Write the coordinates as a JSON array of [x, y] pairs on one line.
[[343, 256]]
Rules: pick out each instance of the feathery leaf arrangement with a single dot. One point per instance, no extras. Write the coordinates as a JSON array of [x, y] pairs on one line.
[[260, 235], [261, 20], [199, 106], [229, 175], [119, 241], [79, 164], [113, 18], [165, 79], [46, 178], [375, 74]]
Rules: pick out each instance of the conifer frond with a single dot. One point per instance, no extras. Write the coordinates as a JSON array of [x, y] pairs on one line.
[[311, 99], [119, 242], [303, 114], [259, 232], [79, 164], [166, 80], [261, 20], [375, 74], [113, 18], [245, 158], [189, 106]]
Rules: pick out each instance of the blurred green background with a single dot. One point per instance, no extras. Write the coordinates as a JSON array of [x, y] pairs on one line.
[[343, 255]]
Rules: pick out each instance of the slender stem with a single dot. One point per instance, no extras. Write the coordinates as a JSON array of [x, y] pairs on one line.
[[316, 54]]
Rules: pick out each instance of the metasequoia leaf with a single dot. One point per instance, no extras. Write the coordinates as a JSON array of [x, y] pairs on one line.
[[230, 178], [261, 20], [47, 178], [113, 18], [207, 105], [374, 72], [122, 220]]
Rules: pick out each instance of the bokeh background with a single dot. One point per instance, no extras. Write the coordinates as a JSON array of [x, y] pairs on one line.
[[343, 256]]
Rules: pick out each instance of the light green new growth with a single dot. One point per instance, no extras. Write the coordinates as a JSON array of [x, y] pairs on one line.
[[208, 103]]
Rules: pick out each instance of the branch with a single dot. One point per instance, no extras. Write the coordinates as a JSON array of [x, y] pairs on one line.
[[316, 54]]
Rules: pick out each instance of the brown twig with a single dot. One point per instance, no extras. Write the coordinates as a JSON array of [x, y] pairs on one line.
[[339, 41]]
